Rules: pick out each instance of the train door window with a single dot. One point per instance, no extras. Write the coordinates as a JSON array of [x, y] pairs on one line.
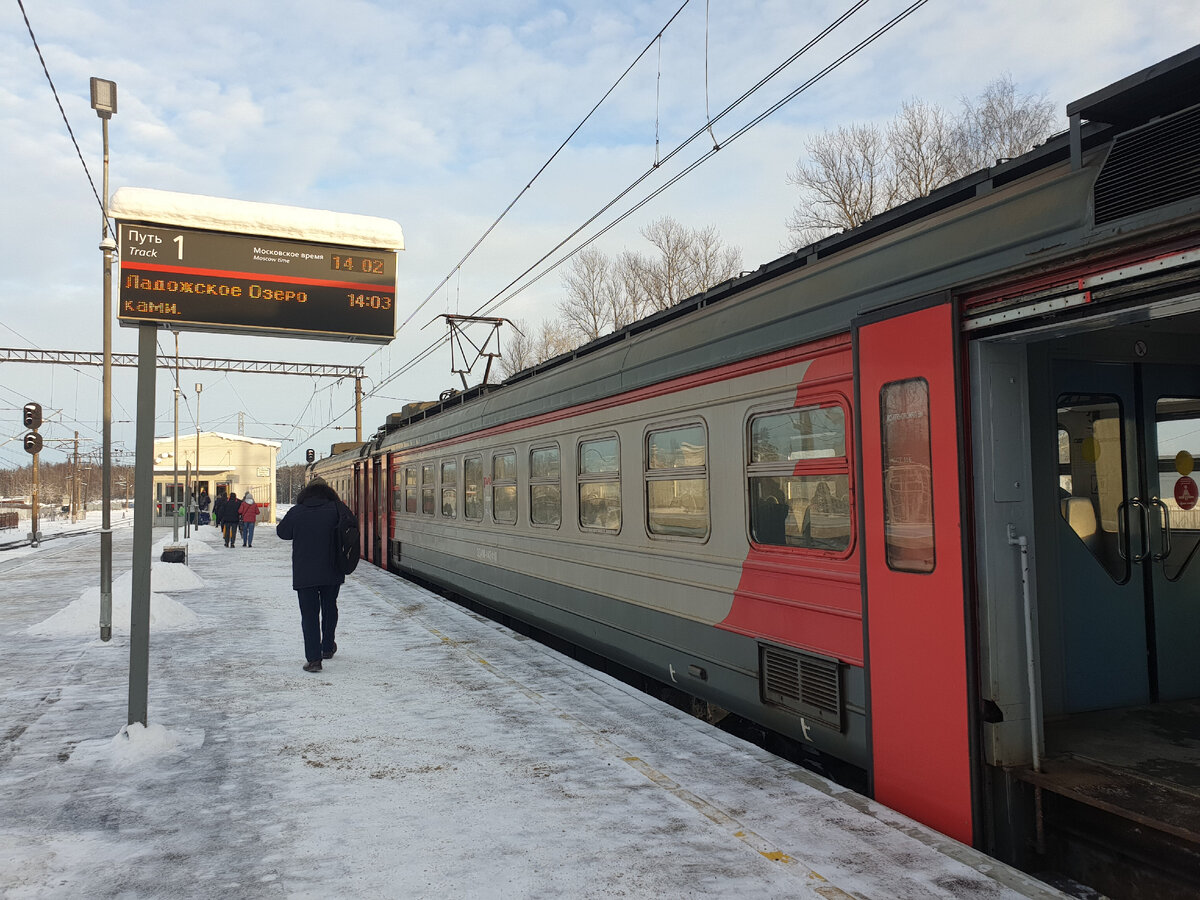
[[504, 486], [600, 484], [798, 479], [1177, 422], [1091, 475], [449, 488], [397, 490], [473, 487], [545, 486], [907, 476], [410, 489], [677, 481], [428, 489]]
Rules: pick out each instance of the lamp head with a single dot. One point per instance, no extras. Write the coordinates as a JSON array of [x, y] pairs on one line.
[[104, 97]]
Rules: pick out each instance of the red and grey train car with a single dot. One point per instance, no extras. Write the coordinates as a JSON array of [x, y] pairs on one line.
[[918, 496]]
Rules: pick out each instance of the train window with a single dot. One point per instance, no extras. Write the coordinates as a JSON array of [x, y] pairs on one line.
[[397, 491], [427, 489], [504, 487], [410, 489], [677, 481], [1091, 475], [907, 476], [449, 488], [473, 487], [600, 484], [799, 479], [545, 488]]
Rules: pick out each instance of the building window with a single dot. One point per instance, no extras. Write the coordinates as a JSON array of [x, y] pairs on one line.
[[449, 488], [600, 484], [473, 487], [410, 489], [798, 479], [504, 487], [907, 476], [545, 487], [428, 489], [677, 481]]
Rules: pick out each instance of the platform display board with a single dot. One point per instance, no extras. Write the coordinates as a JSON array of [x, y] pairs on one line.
[[197, 280]]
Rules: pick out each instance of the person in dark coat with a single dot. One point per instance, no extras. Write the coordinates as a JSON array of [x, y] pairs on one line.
[[230, 519], [204, 504], [311, 525]]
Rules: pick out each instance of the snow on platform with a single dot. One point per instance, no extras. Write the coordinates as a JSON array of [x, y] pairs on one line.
[[437, 754]]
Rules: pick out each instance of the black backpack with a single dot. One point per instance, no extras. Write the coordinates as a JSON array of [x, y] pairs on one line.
[[345, 540]]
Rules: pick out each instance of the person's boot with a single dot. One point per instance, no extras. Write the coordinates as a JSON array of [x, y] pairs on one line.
[[312, 666], [328, 654]]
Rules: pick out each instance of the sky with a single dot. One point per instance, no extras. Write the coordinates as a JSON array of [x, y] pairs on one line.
[[435, 755], [437, 116]]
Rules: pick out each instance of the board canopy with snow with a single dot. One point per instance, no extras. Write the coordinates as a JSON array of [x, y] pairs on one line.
[[196, 263]]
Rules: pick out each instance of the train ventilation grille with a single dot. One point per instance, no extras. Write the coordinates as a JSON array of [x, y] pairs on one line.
[[1149, 167], [805, 683]]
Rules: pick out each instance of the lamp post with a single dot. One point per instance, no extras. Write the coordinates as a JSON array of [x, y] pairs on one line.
[[199, 388], [104, 102]]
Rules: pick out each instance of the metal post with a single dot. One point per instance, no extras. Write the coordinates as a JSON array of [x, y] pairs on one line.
[[199, 388], [75, 484], [175, 455], [358, 410], [143, 527], [107, 246], [33, 512], [187, 491]]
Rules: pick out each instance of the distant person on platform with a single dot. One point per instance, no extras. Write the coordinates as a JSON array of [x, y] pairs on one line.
[[193, 509], [203, 503], [311, 525], [248, 511], [230, 518]]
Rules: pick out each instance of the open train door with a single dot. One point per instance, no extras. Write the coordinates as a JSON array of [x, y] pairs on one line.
[[916, 621]]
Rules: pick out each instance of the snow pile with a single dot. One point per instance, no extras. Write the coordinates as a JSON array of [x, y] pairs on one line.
[[136, 744], [82, 616]]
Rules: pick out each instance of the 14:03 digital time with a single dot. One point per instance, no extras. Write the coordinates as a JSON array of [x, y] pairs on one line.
[[369, 301]]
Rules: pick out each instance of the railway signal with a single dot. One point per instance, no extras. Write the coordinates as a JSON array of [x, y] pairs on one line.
[[33, 416], [310, 455]]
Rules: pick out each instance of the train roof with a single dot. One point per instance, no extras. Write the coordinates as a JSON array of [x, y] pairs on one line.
[[1049, 179]]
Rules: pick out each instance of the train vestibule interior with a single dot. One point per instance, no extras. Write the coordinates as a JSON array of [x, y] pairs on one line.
[[1086, 451]]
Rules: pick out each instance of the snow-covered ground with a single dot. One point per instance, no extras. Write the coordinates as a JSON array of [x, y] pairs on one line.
[[437, 755]]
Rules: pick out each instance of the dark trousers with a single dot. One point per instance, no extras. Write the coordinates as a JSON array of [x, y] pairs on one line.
[[229, 530], [318, 618]]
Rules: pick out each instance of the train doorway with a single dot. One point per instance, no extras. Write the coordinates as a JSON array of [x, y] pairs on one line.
[[1086, 437]]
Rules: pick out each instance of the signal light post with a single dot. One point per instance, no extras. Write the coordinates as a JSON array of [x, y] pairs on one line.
[[31, 415]]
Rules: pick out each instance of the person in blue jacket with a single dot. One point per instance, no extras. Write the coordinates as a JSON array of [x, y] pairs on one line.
[[310, 525]]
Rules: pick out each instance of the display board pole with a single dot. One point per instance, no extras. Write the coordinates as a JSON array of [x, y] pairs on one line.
[[143, 526]]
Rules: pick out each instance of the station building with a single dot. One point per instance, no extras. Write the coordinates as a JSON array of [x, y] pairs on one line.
[[228, 463]]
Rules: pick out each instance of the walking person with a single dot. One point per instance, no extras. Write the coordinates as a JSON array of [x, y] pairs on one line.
[[229, 517], [311, 526], [203, 504], [248, 511]]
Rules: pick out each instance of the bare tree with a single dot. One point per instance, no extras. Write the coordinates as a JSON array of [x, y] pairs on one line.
[[711, 261], [518, 350], [590, 305], [689, 261], [847, 180], [1001, 124], [924, 155], [631, 271], [855, 172]]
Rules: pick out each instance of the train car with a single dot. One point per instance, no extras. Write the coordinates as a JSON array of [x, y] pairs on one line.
[[918, 496]]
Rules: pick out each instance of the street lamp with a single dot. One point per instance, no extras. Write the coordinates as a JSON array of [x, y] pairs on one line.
[[104, 102]]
